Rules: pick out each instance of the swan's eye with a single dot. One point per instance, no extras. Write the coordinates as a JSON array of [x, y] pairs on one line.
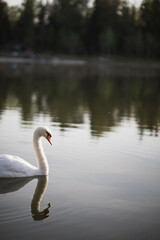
[[48, 134], [49, 137]]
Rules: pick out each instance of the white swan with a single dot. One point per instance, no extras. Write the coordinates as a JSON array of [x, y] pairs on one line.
[[13, 166]]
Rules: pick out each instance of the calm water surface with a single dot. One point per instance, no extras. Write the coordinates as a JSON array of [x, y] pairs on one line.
[[104, 180]]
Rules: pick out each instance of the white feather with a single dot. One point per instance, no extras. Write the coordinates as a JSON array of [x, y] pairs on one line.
[[13, 166]]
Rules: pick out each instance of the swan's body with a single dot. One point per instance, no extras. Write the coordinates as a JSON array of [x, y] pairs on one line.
[[13, 166]]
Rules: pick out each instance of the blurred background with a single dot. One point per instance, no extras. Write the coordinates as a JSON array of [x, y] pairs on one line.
[[90, 71], [81, 27]]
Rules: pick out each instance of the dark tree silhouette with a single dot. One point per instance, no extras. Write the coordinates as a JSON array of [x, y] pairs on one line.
[[109, 27]]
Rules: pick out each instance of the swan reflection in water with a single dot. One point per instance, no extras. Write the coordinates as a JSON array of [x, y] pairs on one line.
[[8, 185], [38, 194]]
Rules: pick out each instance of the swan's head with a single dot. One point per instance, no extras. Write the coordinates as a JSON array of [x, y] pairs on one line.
[[43, 132]]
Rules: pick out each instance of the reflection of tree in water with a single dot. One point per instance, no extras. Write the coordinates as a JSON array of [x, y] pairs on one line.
[[147, 111], [17, 89], [67, 92]]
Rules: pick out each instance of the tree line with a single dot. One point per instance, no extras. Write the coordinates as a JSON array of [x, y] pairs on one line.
[[109, 27]]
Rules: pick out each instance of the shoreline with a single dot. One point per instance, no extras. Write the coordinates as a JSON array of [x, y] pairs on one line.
[[105, 61]]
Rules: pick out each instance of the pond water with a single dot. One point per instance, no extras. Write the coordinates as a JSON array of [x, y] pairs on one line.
[[104, 180]]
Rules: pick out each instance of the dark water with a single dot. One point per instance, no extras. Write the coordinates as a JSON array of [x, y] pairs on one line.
[[104, 180]]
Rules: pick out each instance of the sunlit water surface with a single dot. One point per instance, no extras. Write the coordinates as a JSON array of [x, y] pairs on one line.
[[104, 180]]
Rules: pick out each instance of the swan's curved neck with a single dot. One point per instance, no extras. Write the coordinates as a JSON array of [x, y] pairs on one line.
[[40, 156]]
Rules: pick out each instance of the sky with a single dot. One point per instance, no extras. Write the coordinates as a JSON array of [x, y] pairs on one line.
[[18, 2]]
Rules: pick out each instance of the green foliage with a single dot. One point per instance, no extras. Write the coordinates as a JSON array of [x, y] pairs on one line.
[[25, 24], [109, 27], [107, 42], [67, 20], [139, 44], [5, 29], [150, 25]]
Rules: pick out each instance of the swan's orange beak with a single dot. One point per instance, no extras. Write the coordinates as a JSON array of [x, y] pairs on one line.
[[49, 139]]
